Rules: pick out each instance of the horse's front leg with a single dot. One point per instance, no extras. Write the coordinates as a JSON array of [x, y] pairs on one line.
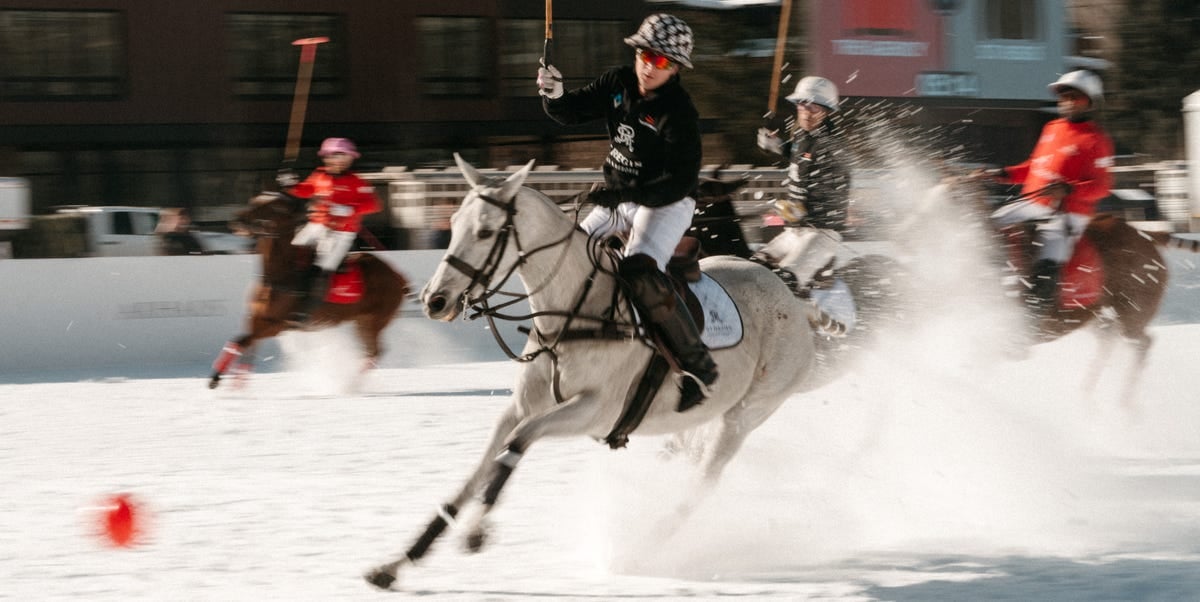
[[385, 575], [576, 416], [239, 351]]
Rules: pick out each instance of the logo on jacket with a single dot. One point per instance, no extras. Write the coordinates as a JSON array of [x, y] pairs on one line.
[[618, 98], [648, 121], [624, 136]]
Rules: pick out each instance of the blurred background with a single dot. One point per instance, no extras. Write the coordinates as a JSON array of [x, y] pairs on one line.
[[186, 105]]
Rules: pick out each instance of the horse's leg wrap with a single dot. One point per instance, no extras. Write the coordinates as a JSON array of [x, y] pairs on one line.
[[384, 576], [654, 296], [230, 352], [505, 463]]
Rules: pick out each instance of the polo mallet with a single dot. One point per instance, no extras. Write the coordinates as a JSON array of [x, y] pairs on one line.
[[308, 55], [546, 50], [785, 16]]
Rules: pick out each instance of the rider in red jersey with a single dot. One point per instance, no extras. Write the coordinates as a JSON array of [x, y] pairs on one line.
[[338, 201], [1062, 181]]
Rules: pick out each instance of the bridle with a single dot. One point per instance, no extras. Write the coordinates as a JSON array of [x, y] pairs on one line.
[[271, 229], [484, 276]]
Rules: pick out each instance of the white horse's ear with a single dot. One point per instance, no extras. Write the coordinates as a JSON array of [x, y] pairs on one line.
[[468, 171], [514, 182]]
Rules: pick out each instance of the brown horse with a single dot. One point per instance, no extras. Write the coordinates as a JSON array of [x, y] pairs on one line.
[[1117, 277], [366, 290]]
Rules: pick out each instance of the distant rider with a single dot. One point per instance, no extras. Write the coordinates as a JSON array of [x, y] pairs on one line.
[[1063, 180], [818, 184], [652, 169], [338, 201]]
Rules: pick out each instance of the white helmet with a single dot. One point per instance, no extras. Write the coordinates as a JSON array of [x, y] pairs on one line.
[[1083, 80], [816, 90]]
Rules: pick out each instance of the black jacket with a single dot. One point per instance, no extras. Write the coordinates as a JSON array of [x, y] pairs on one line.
[[654, 144], [818, 177]]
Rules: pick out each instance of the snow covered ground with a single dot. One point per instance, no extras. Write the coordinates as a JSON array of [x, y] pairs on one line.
[[933, 471]]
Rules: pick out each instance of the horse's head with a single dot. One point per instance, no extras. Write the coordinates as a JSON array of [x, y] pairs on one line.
[[269, 214], [716, 223], [481, 232], [713, 189]]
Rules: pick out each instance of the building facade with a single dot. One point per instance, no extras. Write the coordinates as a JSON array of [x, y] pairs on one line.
[[151, 102]]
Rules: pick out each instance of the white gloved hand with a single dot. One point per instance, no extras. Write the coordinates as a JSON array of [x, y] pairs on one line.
[[549, 82], [768, 141], [341, 210]]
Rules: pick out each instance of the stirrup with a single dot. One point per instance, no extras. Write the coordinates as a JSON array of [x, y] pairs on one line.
[[692, 392]]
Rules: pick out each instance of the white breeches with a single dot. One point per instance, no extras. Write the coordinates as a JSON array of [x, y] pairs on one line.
[[332, 245], [1056, 232], [653, 231], [803, 251]]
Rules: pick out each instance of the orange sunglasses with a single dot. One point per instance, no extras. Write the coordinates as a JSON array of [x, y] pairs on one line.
[[654, 59]]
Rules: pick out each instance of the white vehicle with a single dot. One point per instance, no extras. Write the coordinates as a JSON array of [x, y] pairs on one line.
[[111, 231], [118, 231], [14, 212]]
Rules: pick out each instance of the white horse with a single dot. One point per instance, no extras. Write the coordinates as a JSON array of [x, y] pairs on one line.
[[575, 380]]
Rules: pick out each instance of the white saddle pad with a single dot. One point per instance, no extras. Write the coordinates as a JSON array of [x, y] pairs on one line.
[[722, 321]]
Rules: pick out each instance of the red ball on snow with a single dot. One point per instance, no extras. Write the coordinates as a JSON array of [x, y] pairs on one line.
[[119, 521]]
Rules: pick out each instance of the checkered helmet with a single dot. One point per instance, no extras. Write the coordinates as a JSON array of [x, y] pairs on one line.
[[667, 35]]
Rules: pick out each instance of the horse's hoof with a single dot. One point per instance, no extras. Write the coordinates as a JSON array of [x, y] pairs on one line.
[[212, 384], [380, 578], [474, 540]]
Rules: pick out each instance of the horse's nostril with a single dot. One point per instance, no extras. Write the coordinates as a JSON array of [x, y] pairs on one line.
[[436, 303]]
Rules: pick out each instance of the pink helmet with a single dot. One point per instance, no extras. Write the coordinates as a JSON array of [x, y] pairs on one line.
[[338, 145]]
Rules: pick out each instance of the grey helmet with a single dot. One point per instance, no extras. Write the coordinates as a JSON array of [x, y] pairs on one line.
[[667, 35], [1083, 80], [816, 90]]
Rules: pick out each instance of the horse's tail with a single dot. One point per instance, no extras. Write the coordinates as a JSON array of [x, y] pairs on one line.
[[1171, 241]]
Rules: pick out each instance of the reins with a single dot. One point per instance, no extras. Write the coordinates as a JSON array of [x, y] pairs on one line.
[[485, 275]]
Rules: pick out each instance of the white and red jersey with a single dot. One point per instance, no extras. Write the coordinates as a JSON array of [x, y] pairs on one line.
[[1078, 153], [340, 201]]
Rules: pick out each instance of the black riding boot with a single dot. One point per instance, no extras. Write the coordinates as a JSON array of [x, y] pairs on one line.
[[654, 297], [312, 295], [1043, 295]]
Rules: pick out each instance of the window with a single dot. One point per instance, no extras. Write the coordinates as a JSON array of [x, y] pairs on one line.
[[455, 55], [1011, 20], [582, 51], [61, 54], [264, 63], [893, 18]]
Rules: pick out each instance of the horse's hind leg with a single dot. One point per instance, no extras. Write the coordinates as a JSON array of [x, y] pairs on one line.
[[1105, 342], [734, 427], [1141, 349], [369, 328]]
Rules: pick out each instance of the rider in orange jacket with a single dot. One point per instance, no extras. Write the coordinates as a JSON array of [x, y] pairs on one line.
[[1062, 181], [338, 201]]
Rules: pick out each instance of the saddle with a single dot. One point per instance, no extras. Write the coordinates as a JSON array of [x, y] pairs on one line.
[[346, 284], [1081, 281]]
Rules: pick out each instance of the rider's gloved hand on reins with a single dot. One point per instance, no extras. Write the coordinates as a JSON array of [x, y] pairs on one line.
[[1058, 190], [549, 82], [603, 197], [286, 178]]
